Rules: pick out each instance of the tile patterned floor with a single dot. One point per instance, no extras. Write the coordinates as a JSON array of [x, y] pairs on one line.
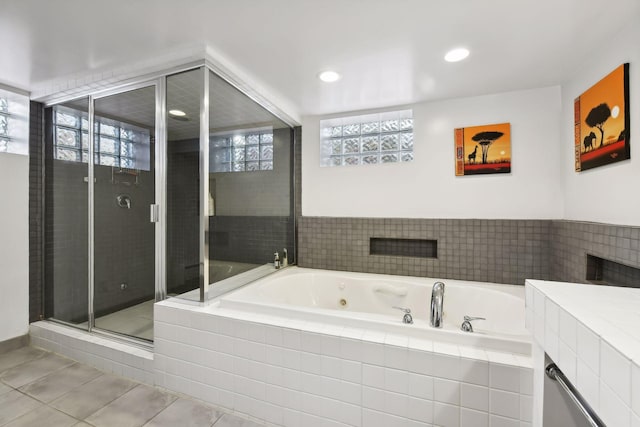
[[39, 388]]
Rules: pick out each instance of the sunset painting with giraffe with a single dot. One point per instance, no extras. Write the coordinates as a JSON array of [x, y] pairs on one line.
[[601, 121], [483, 149]]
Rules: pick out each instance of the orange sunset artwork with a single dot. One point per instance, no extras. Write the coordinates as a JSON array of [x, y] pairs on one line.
[[483, 149], [601, 119]]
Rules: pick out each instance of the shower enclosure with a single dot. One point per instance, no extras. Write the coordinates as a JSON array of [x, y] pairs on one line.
[[178, 185]]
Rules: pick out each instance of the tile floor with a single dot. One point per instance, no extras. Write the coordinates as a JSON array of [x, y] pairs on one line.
[[40, 388]]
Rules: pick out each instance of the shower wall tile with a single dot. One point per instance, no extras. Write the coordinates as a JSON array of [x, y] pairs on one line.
[[502, 251], [66, 243], [124, 242], [36, 210], [297, 173], [250, 239], [183, 224]]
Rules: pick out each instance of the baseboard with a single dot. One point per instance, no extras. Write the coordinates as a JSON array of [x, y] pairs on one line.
[[14, 343]]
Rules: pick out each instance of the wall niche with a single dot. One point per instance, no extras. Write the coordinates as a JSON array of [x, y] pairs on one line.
[[601, 271]]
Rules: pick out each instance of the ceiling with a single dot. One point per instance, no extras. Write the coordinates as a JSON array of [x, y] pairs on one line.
[[229, 109], [388, 52]]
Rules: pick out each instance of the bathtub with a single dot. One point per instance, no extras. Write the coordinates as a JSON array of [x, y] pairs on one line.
[[366, 301]]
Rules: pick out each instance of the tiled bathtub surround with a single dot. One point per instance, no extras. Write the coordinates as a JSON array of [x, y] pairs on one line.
[[295, 373], [102, 353], [586, 330], [500, 251]]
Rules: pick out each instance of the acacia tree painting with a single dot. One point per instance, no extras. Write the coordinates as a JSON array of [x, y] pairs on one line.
[[469, 139], [597, 117], [605, 107], [485, 139]]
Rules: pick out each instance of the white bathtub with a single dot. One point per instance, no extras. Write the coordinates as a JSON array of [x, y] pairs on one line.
[[365, 301]]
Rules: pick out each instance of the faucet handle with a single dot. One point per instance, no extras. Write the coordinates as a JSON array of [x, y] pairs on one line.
[[469, 318], [406, 310]]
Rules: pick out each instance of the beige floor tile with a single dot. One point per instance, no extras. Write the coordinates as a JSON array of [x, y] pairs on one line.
[[43, 416], [35, 369], [60, 382], [4, 388], [133, 408], [17, 357], [187, 413], [15, 404], [229, 420], [88, 398]]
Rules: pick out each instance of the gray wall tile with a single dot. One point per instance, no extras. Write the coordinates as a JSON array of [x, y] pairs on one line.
[[503, 251]]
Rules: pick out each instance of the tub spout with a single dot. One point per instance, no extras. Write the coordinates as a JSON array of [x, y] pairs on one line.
[[437, 301]]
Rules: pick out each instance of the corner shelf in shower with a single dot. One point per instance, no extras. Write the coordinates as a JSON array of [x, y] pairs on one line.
[[124, 172]]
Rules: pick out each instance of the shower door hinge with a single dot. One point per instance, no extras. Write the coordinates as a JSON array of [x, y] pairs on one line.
[[154, 213]]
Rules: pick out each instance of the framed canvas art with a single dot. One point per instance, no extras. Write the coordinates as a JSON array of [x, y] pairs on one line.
[[483, 149], [601, 122]]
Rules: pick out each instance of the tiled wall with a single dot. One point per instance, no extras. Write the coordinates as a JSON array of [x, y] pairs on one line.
[[573, 240], [125, 239], [36, 210], [304, 373], [124, 242], [183, 224], [297, 170], [250, 239], [502, 251], [66, 241]]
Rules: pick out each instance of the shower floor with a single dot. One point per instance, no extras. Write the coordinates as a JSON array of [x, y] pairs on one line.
[[135, 321]]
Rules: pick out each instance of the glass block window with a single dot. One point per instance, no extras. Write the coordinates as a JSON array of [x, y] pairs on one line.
[[242, 152], [367, 140], [118, 144], [14, 123]]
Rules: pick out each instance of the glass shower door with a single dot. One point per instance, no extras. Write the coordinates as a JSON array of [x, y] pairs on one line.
[[66, 212], [124, 189]]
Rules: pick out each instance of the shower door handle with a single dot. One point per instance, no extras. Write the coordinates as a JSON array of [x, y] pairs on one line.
[[154, 213]]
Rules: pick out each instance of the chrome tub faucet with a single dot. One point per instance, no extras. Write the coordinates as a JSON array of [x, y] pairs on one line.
[[407, 318], [437, 301], [467, 326]]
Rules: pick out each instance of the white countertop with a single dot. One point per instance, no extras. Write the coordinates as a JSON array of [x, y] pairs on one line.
[[592, 332]]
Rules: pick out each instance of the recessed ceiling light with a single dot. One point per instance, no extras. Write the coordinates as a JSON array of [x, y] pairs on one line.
[[456, 55], [329, 76], [177, 113]]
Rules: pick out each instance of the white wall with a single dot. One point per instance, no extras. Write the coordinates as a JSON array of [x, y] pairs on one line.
[[428, 187], [14, 245], [606, 194]]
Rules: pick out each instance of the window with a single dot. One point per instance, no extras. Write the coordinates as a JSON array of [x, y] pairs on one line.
[[369, 139], [118, 144], [242, 152], [14, 123]]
